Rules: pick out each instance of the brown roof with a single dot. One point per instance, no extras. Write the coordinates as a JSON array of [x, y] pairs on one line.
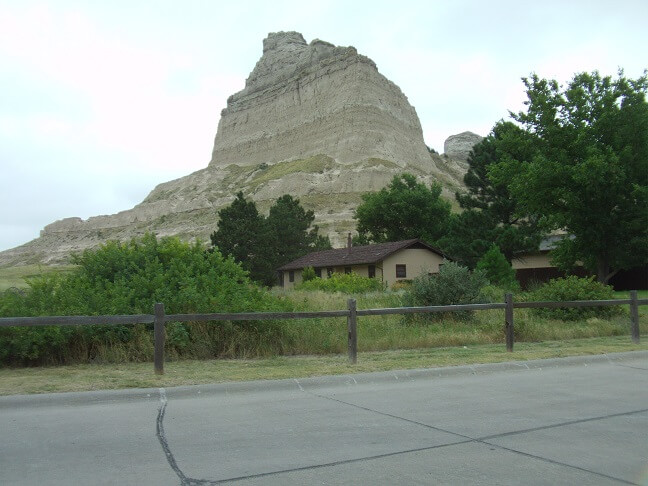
[[356, 255]]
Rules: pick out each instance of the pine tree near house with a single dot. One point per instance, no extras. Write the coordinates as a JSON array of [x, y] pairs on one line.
[[263, 244]]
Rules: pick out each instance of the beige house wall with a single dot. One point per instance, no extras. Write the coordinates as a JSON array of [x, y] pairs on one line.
[[531, 261], [362, 270], [291, 285], [416, 261]]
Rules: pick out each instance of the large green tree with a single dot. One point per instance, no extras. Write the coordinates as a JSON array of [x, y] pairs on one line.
[[292, 231], [589, 175], [244, 234], [403, 210], [491, 214], [263, 244]]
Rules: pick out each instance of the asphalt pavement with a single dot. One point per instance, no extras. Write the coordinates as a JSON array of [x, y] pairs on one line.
[[562, 421]]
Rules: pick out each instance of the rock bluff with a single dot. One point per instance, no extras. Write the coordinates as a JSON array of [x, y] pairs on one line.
[[314, 120], [305, 99]]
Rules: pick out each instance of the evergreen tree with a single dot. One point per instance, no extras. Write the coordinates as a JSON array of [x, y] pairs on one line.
[[263, 244], [291, 235], [491, 214], [244, 235], [497, 269]]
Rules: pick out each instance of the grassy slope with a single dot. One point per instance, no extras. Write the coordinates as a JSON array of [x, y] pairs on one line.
[[15, 276]]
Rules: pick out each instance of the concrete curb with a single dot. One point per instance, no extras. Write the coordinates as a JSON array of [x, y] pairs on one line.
[[313, 383]]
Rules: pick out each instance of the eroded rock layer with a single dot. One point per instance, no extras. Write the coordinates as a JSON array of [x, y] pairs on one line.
[[315, 121], [309, 99]]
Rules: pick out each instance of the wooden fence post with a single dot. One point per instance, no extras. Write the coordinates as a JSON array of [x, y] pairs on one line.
[[508, 319], [634, 317], [158, 333], [352, 326]]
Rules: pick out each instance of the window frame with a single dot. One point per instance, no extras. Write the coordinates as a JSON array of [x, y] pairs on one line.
[[401, 270]]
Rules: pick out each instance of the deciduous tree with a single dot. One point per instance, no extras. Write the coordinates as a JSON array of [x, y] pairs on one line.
[[589, 175], [403, 210]]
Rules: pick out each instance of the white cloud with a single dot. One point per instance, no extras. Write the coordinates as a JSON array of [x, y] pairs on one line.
[[104, 100]]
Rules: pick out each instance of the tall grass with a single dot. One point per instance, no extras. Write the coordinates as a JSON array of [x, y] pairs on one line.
[[325, 336]]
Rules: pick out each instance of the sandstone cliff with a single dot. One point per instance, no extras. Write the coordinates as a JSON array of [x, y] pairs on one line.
[[314, 120]]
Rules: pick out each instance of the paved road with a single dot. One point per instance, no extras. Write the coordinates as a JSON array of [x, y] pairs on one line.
[[569, 421]]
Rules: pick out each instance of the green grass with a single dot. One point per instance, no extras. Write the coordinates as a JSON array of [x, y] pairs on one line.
[[16, 276], [376, 162], [313, 165], [318, 346], [381, 333], [85, 377]]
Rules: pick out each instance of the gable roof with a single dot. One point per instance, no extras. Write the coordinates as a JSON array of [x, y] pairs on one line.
[[356, 255]]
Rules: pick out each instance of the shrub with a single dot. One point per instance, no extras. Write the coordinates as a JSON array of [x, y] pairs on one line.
[[308, 274], [574, 288], [347, 283], [129, 278], [497, 269], [401, 285], [453, 285]]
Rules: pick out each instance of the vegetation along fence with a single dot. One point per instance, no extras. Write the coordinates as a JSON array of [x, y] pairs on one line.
[[159, 318]]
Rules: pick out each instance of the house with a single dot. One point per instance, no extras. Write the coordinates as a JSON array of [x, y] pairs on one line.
[[389, 262], [536, 267]]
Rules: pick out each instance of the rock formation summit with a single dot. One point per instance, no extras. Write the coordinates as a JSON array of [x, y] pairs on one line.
[[314, 120], [305, 99]]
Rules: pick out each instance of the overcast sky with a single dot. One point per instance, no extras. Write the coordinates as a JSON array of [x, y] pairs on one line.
[[102, 100]]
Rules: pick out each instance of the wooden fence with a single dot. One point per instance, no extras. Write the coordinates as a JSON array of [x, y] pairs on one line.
[[159, 318]]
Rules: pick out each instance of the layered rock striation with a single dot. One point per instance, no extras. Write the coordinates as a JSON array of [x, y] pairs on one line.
[[309, 99], [314, 120]]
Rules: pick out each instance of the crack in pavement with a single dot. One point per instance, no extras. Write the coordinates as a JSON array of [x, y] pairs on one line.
[[187, 481]]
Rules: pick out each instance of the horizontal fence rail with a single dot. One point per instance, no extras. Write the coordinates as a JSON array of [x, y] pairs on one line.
[[429, 309], [76, 320], [253, 316], [159, 318]]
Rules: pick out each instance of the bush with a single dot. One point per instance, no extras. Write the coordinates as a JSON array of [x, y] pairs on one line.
[[308, 274], [497, 269], [574, 288], [453, 285], [347, 283], [129, 278]]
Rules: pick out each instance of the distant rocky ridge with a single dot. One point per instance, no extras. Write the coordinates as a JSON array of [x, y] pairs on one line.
[[314, 120]]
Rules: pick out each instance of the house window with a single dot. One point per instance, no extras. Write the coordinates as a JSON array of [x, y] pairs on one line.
[[347, 270], [401, 271], [291, 276], [318, 272], [372, 271], [281, 279], [329, 272]]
